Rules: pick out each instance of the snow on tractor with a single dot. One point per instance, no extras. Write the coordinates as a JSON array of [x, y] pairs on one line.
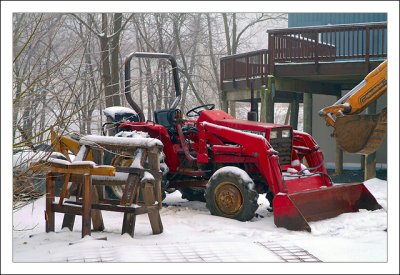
[[228, 162]]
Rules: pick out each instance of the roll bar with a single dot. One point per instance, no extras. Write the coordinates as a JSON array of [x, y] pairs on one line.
[[128, 95]]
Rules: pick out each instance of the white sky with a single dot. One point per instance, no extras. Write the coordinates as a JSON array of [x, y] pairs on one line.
[[391, 7]]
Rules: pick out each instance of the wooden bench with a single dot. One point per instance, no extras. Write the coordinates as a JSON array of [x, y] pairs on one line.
[[87, 179]]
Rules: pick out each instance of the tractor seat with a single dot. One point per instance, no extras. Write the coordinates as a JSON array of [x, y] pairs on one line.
[[163, 117]]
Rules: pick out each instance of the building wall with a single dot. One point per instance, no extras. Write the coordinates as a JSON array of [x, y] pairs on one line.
[[321, 132], [317, 19]]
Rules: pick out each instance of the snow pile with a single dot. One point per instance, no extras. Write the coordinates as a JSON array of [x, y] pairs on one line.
[[188, 226]]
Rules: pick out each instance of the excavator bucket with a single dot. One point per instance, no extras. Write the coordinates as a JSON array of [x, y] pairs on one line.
[[361, 134], [294, 211]]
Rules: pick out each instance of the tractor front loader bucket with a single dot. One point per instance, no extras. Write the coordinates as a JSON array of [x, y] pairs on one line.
[[294, 211], [361, 134]]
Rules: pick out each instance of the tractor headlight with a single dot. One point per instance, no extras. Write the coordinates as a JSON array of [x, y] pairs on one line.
[[273, 134], [286, 133]]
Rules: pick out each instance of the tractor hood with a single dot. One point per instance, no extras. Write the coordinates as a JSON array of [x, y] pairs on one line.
[[222, 118]]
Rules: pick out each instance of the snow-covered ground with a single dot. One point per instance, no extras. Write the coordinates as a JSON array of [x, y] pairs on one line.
[[192, 234]]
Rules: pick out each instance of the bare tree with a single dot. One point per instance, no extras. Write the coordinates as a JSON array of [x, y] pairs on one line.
[[235, 34], [109, 78]]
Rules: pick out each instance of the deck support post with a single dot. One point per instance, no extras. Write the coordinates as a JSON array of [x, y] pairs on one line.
[[338, 156], [294, 112], [307, 113], [232, 108], [269, 99], [370, 160]]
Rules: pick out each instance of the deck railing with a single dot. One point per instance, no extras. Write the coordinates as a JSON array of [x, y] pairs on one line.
[[361, 42], [327, 43], [246, 66]]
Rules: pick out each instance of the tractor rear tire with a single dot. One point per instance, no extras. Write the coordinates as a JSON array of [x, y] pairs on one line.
[[230, 193], [193, 194]]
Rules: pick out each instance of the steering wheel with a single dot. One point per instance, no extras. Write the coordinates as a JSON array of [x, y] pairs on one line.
[[196, 112]]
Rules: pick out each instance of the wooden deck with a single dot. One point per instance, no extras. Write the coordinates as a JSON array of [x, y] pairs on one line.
[[321, 60]]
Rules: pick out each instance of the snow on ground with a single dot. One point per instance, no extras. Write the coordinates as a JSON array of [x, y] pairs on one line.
[[192, 234]]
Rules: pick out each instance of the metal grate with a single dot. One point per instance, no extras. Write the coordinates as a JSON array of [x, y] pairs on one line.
[[288, 252]]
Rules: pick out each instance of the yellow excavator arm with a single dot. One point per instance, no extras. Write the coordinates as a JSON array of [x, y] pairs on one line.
[[361, 134]]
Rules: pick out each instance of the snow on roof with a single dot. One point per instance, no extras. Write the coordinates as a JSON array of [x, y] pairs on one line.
[[117, 110], [122, 141]]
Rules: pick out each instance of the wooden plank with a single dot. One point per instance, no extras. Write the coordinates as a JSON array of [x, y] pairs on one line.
[[131, 189], [154, 165], [72, 210], [154, 216], [64, 190], [97, 218], [69, 219], [73, 169], [87, 206], [50, 193], [128, 225], [132, 183]]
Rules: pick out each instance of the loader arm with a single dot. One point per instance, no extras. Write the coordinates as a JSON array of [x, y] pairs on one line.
[[361, 134]]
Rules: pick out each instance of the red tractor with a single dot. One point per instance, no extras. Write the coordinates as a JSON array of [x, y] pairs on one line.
[[228, 162]]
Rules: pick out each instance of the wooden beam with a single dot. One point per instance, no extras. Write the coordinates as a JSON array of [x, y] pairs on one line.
[[304, 86], [370, 160], [353, 68], [263, 111], [270, 99], [232, 108], [294, 113], [338, 156], [307, 113]]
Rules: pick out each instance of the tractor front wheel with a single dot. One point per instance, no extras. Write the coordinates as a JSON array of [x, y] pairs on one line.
[[230, 193]]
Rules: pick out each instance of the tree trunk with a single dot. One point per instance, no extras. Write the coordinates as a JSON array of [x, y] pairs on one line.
[[115, 59], [227, 35], [213, 61], [105, 58]]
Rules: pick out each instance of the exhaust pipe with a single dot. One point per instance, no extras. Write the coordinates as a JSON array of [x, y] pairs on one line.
[[127, 90]]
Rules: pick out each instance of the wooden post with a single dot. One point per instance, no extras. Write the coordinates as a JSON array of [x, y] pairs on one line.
[[97, 218], [87, 205], [370, 160], [263, 111], [224, 103], [270, 99], [338, 160], [294, 113], [338, 156], [362, 159], [149, 200], [154, 165], [152, 192], [50, 192], [232, 108], [128, 224], [307, 113]]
